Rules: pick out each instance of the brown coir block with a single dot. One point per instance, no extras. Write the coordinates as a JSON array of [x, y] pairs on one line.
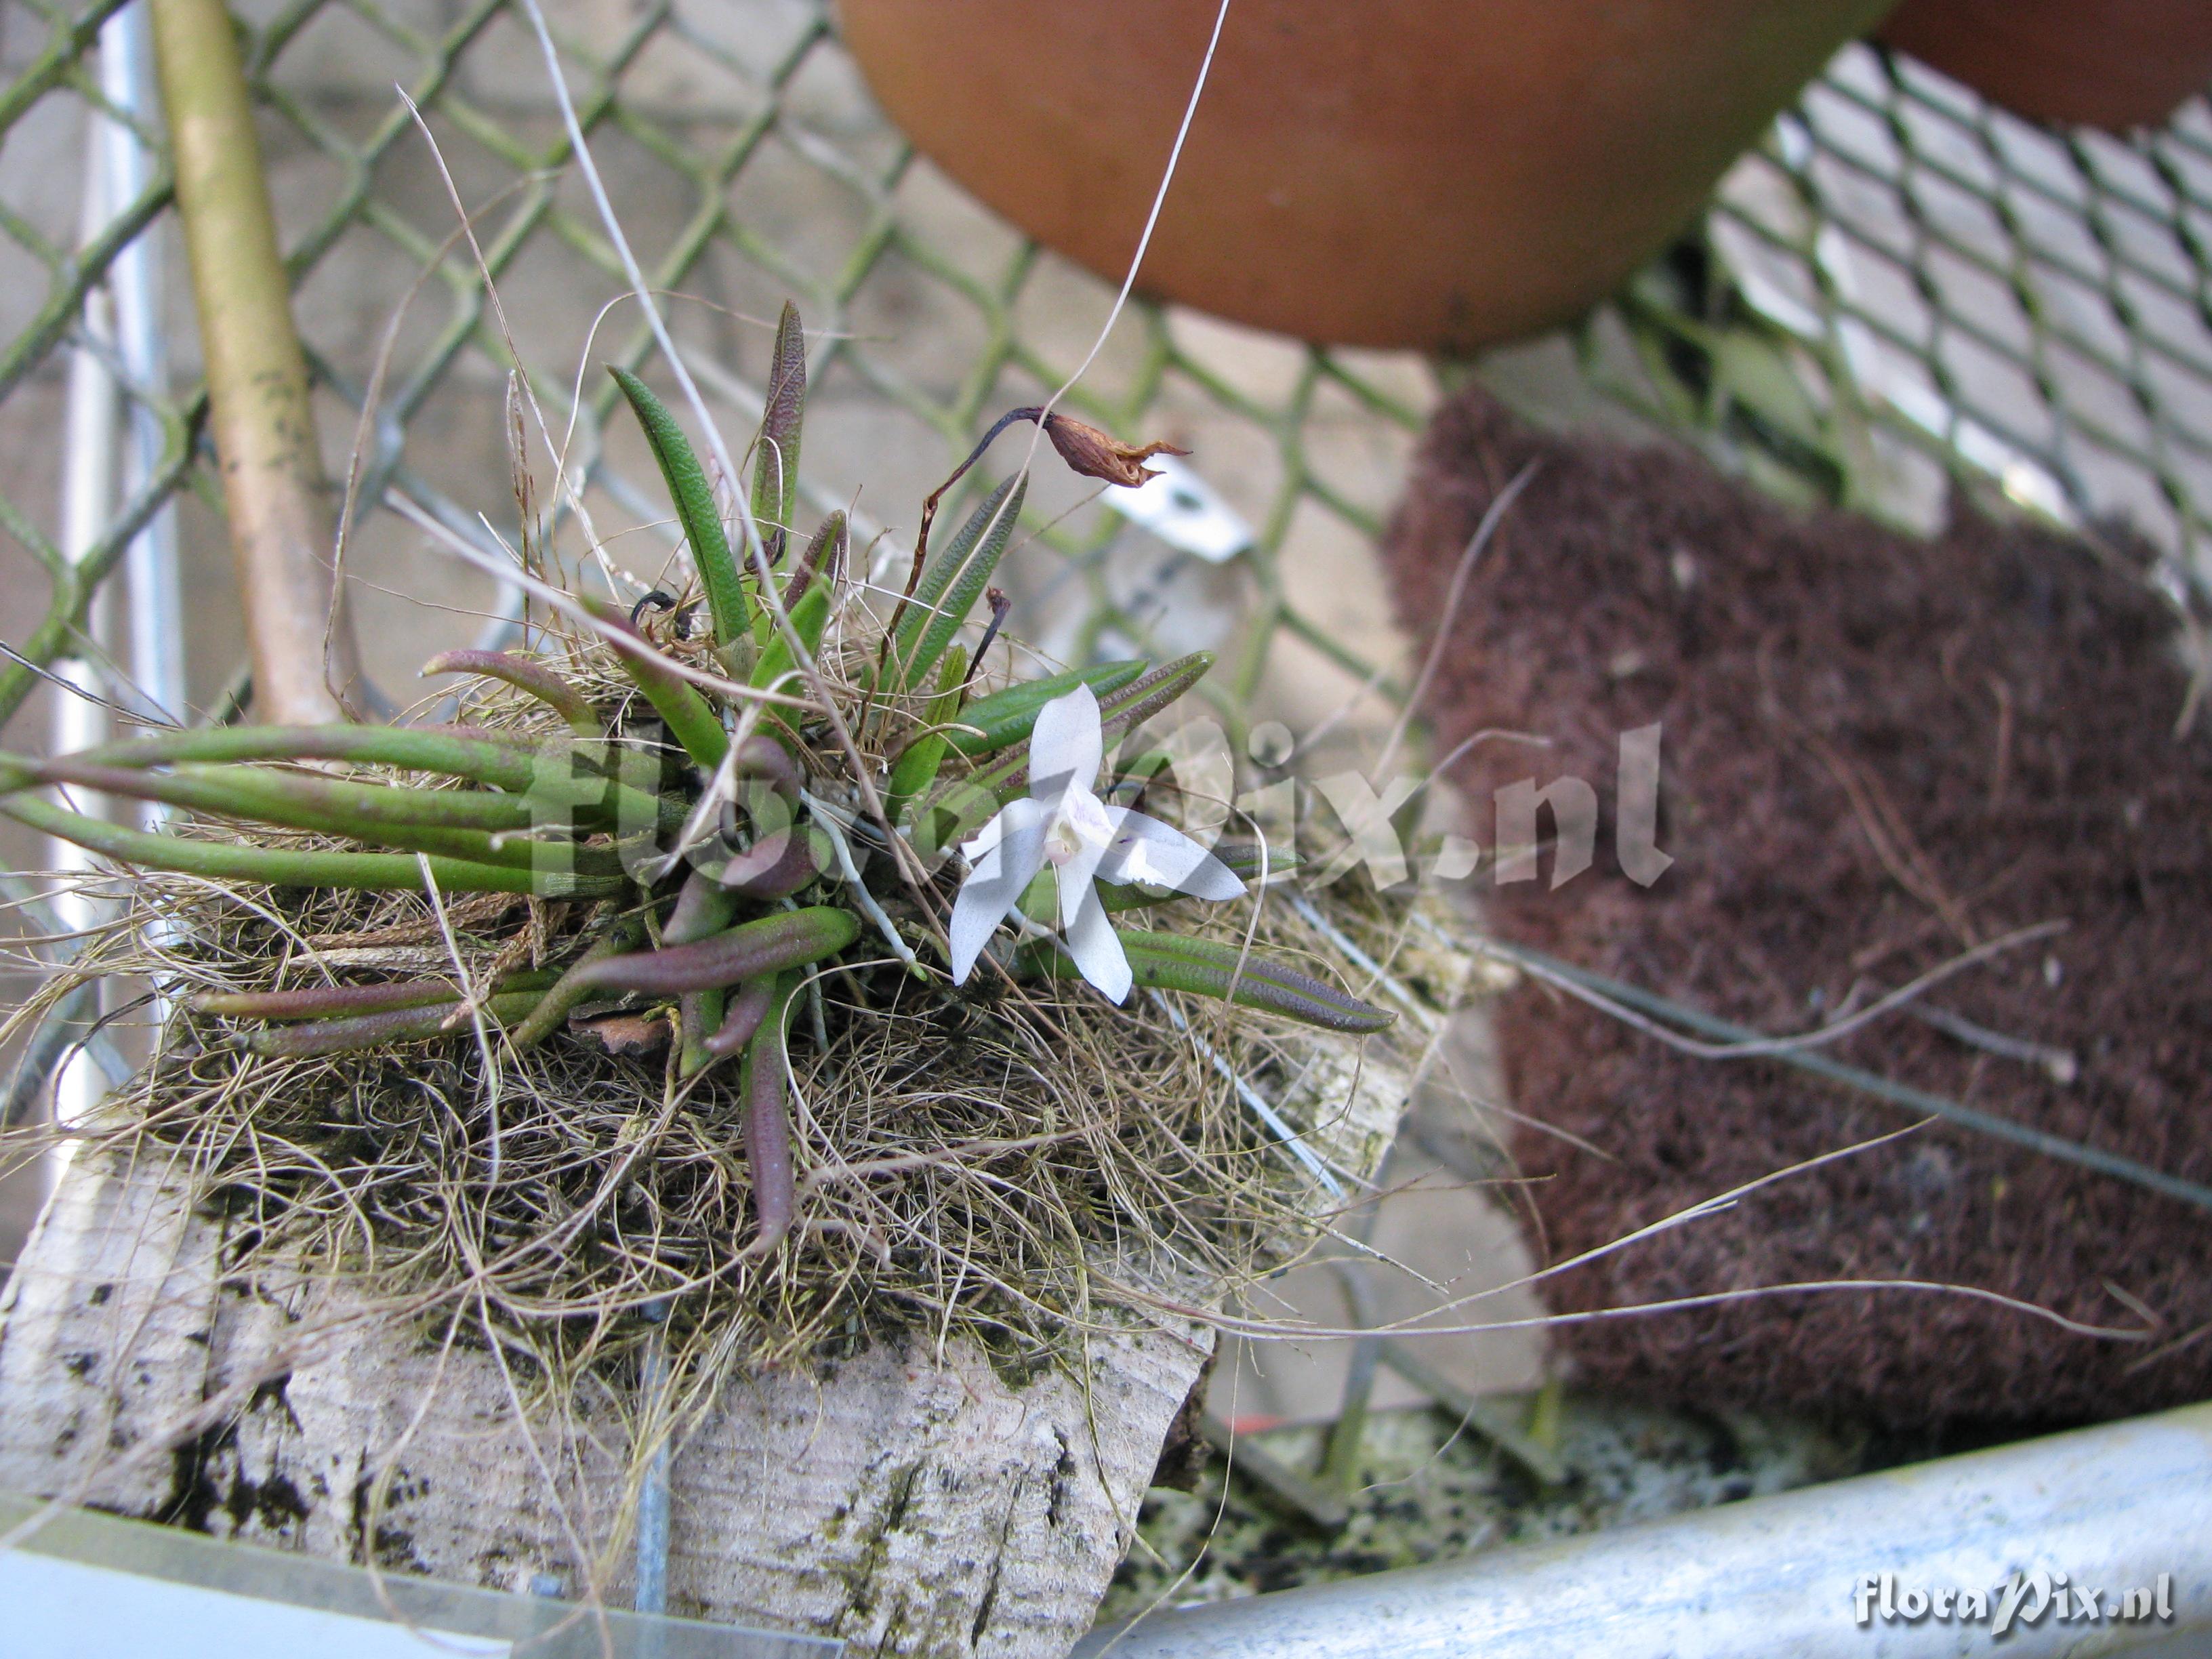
[[1877, 753]]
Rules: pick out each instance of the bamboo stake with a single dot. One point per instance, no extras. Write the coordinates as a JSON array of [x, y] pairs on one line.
[[304, 657]]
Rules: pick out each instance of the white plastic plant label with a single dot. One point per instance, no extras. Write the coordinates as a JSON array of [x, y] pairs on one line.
[[1184, 511]]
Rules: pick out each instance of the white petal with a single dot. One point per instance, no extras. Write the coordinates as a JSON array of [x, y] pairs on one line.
[[1009, 854], [1089, 821], [977, 846], [1077, 873], [1091, 940], [1066, 746], [1159, 855]]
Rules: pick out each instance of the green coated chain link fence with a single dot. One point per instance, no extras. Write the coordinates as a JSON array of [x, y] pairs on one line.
[[1906, 282], [1900, 283]]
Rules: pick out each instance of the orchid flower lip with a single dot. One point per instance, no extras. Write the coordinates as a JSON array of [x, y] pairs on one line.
[[1062, 824]]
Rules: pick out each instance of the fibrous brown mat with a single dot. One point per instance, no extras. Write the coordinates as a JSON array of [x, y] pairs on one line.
[[1876, 753]]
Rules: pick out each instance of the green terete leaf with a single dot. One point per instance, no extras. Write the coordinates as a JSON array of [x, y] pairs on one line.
[[1212, 968], [916, 769], [953, 584], [1005, 718], [776, 461], [694, 499]]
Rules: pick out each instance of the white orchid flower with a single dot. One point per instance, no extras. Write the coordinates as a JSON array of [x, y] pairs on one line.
[[1062, 823]]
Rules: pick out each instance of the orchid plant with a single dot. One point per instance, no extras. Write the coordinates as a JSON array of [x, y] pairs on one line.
[[741, 824]]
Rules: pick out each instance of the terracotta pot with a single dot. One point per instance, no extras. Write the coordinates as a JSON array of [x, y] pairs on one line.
[[1434, 173], [2114, 64]]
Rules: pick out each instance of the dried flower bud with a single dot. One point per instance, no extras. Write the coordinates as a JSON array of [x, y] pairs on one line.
[[1096, 455]]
